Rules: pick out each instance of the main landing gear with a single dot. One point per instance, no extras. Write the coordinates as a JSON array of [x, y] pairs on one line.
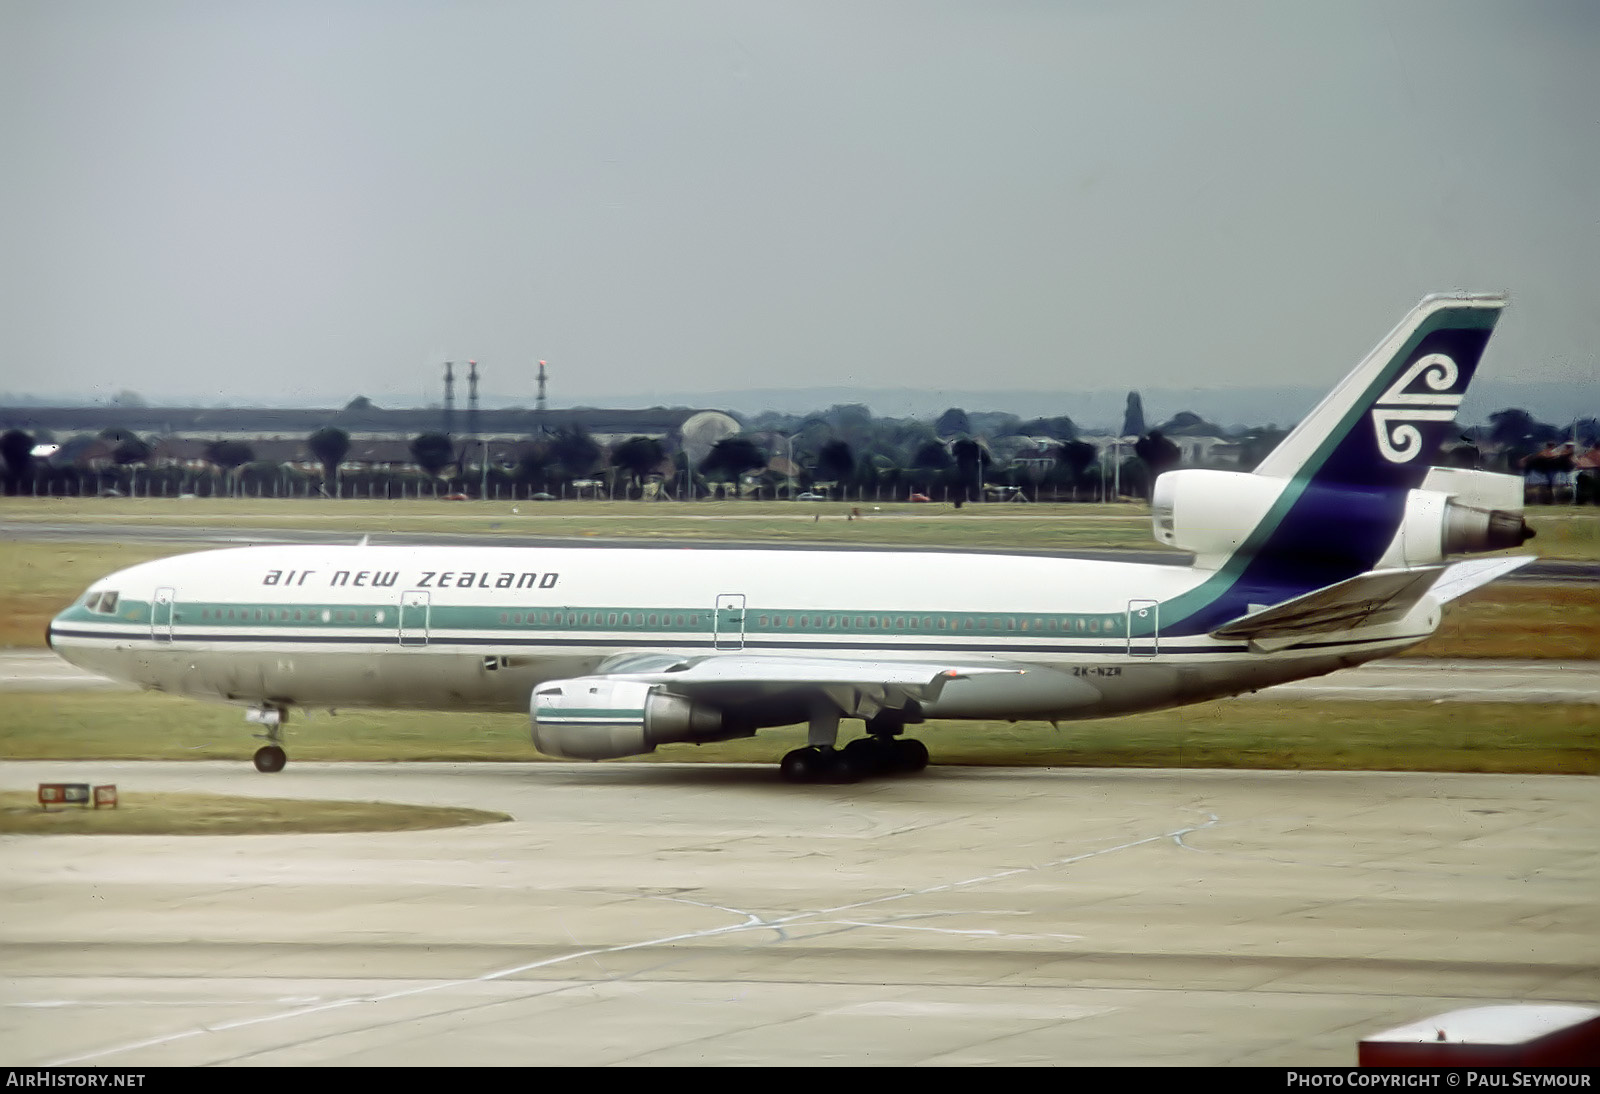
[[882, 752], [270, 757]]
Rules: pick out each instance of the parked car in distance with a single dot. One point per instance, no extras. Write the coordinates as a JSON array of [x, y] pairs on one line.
[[809, 496], [920, 497]]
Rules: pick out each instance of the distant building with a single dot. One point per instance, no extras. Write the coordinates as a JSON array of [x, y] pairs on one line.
[[378, 437]]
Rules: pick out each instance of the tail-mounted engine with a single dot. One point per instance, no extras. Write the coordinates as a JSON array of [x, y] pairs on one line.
[[1214, 513], [600, 718], [1458, 512], [1211, 513]]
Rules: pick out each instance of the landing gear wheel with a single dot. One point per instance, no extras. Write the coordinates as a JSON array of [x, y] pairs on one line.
[[872, 755], [270, 758], [817, 765], [910, 755]]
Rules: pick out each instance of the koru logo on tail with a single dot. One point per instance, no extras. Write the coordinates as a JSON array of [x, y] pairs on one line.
[[1398, 440]]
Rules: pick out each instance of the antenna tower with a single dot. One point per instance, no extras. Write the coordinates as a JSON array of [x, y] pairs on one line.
[[449, 397]]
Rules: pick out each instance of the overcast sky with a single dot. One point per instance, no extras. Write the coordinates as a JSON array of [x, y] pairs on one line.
[[286, 200]]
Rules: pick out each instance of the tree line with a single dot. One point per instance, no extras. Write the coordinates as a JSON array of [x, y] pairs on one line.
[[843, 452]]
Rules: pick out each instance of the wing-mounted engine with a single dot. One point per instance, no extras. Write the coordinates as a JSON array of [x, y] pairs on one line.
[[601, 718], [1459, 512]]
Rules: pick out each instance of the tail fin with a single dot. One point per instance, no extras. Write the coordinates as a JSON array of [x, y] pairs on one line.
[[1380, 428], [1326, 505]]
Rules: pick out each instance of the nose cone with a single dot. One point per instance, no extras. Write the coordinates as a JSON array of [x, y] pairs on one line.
[[50, 630], [57, 637]]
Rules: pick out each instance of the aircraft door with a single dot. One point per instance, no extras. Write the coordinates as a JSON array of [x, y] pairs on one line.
[[414, 618], [161, 615], [728, 622], [1144, 627]]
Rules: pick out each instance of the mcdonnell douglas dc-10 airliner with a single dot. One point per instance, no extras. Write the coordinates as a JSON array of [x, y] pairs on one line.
[[1331, 553]]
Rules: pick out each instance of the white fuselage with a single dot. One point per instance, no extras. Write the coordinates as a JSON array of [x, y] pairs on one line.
[[476, 628]]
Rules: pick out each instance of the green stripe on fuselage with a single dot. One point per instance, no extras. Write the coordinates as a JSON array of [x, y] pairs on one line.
[[697, 623]]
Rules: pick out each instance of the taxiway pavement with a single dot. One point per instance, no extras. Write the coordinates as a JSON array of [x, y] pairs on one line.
[[687, 915]]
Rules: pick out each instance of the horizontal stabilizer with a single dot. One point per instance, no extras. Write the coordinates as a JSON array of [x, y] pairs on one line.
[[1462, 577], [1366, 600]]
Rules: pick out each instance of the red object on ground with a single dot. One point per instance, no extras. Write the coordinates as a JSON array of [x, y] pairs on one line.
[[63, 794]]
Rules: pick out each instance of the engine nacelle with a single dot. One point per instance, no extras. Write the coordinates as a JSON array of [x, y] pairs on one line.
[[1210, 512], [1458, 512], [600, 718]]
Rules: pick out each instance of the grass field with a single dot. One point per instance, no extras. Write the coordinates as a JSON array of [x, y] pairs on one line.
[[1387, 736], [143, 814], [889, 524], [1563, 532]]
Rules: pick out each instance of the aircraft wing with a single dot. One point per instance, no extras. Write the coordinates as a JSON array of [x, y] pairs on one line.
[[1366, 600], [860, 688]]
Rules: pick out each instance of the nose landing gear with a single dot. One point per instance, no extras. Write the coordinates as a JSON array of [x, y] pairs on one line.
[[270, 757]]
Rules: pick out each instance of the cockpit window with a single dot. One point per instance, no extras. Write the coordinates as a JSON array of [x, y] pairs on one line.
[[104, 603]]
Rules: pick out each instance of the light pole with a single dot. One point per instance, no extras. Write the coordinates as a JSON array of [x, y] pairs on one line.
[[1116, 448]]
